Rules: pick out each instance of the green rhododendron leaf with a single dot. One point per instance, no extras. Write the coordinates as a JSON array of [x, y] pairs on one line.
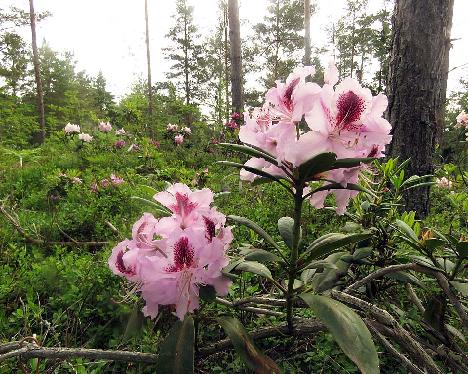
[[246, 349], [348, 330], [176, 355]]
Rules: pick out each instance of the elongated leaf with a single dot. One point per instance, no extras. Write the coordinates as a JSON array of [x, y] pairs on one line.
[[246, 349], [148, 189], [330, 242], [135, 323], [338, 186], [286, 228], [404, 277], [351, 162], [155, 207], [256, 228], [321, 264], [329, 277], [406, 230], [260, 255], [254, 267], [250, 169], [249, 151], [316, 165], [348, 330], [176, 355]]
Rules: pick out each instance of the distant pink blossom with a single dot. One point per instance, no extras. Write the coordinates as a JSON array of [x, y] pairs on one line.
[[94, 187], [104, 127], [235, 116], [76, 180], [233, 125], [156, 143], [169, 261], [187, 130], [120, 132], [462, 119], [116, 180], [133, 147], [172, 128], [444, 183], [71, 128], [85, 137], [179, 139], [105, 182], [119, 143]]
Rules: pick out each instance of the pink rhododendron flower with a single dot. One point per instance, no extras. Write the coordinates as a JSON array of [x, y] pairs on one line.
[[187, 130], [71, 128], [292, 99], [104, 127], [85, 137], [179, 139], [133, 147], [116, 180], [343, 118], [120, 132], [172, 128], [155, 143], [235, 116], [76, 180], [169, 260], [462, 119], [233, 125], [94, 187], [444, 183], [119, 144], [105, 183]]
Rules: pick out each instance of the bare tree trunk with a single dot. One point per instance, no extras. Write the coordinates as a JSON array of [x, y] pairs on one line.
[[226, 61], [37, 73], [148, 60], [236, 56], [186, 60], [417, 86], [307, 61]]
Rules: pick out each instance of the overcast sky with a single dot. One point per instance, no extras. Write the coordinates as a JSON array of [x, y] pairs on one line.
[[108, 35]]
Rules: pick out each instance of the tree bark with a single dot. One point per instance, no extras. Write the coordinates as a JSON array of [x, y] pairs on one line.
[[417, 87], [307, 53], [236, 56], [148, 60], [37, 74]]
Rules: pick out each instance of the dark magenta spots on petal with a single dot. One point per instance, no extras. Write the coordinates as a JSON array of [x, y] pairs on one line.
[[350, 108], [374, 151], [183, 254], [119, 263], [287, 98], [184, 206], [210, 228]]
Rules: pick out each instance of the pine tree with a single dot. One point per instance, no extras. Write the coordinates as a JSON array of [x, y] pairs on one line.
[[280, 39], [188, 67], [236, 56]]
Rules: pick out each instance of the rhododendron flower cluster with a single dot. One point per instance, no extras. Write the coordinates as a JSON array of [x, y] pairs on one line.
[[172, 128], [443, 183], [169, 259], [119, 144], [234, 121], [345, 119], [120, 132], [105, 127], [462, 119], [187, 130], [179, 139], [85, 137], [70, 128]]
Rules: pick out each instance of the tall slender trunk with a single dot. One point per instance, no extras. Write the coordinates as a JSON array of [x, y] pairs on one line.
[[148, 60], [37, 74], [307, 53], [236, 56], [277, 42], [417, 87], [353, 46], [186, 60], [226, 61]]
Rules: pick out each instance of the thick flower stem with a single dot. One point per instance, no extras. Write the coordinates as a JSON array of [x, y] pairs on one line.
[[294, 254]]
